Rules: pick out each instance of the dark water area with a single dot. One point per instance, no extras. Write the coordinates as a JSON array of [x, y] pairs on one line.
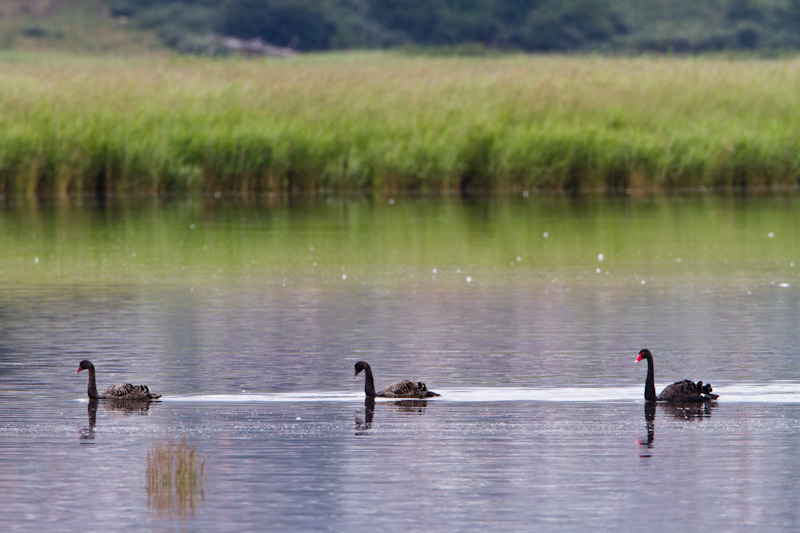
[[251, 332]]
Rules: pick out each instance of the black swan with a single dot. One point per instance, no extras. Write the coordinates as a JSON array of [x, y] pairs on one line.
[[401, 389], [124, 391], [685, 391]]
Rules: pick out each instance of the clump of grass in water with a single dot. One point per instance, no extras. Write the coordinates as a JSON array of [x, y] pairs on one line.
[[175, 478]]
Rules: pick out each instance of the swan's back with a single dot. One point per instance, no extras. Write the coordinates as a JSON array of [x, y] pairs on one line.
[[687, 391], [126, 391], [406, 389]]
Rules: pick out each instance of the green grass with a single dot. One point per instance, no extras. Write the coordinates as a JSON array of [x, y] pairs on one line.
[[386, 122]]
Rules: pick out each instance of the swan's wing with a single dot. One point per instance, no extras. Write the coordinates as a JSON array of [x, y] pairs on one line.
[[126, 391], [404, 389], [687, 391]]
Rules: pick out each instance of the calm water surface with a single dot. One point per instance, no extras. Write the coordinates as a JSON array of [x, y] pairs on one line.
[[526, 314]]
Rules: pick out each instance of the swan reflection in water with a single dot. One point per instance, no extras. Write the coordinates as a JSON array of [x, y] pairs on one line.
[[649, 418], [87, 433], [127, 407], [685, 411], [362, 425], [404, 406]]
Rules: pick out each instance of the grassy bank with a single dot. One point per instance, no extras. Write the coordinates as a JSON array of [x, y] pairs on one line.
[[387, 122]]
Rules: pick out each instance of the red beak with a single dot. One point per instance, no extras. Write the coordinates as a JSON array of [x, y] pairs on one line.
[[79, 370], [637, 360]]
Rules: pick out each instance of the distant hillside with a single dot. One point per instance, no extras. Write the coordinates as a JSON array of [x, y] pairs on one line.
[[709, 25], [75, 25], [440, 26], [682, 26]]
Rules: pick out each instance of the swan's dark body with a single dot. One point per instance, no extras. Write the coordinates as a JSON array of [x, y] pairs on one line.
[[685, 391], [401, 389], [124, 391]]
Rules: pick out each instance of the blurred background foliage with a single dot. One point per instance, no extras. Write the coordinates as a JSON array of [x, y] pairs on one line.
[[447, 26]]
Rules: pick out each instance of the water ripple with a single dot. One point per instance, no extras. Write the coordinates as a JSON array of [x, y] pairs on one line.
[[764, 392]]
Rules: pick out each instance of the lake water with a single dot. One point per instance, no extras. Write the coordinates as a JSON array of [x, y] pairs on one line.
[[525, 313]]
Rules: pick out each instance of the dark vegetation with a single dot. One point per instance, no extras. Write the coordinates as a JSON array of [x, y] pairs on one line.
[[433, 26], [628, 26]]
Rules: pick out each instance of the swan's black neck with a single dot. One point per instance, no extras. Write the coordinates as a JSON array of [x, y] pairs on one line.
[[369, 383], [92, 385], [650, 383]]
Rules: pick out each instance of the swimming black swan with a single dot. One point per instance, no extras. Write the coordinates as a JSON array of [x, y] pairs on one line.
[[679, 392], [124, 391], [401, 389]]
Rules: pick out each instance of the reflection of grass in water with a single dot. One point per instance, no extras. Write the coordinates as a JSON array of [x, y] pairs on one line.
[[175, 478], [131, 243]]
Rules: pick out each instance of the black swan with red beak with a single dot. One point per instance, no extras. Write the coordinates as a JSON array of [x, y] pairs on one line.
[[123, 391], [685, 391], [401, 389]]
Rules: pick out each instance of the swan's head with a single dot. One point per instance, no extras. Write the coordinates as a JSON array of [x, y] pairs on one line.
[[644, 354], [360, 367], [85, 365]]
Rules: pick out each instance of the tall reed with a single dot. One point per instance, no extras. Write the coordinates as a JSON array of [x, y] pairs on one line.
[[388, 122], [175, 478]]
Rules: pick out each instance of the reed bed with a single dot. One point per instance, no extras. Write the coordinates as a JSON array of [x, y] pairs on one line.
[[383, 121], [175, 478]]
